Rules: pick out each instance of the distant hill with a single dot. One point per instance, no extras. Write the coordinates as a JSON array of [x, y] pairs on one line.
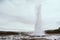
[[56, 31]]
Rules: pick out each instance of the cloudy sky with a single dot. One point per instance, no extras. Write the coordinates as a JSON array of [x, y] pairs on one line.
[[20, 15], [51, 14]]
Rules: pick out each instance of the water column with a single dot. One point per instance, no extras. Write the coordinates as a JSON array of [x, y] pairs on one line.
[[38, 25]]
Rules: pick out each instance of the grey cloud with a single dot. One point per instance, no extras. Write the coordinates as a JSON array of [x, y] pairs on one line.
[[15, 19], [23, 18]]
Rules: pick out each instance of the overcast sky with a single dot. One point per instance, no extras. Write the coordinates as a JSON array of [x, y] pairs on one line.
[[20, 15]]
